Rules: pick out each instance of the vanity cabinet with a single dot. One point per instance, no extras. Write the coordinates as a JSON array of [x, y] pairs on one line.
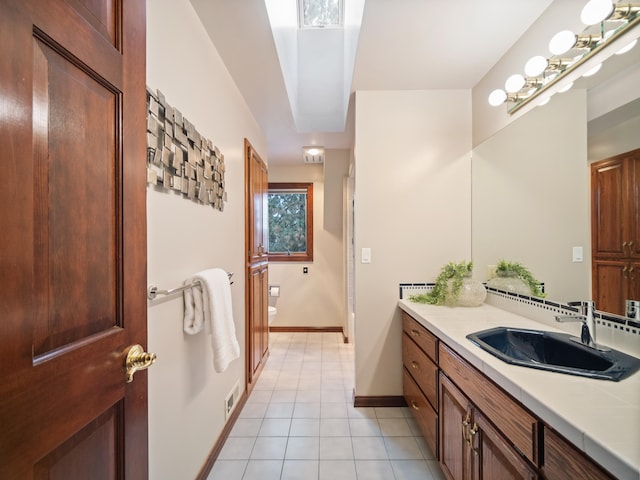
[[420, 377], [615, 231], [481, 432], [562, 461]]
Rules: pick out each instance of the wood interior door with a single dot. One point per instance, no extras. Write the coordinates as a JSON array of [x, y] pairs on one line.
[[73, 241]]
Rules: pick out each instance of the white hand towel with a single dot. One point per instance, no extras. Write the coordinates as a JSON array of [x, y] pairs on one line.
[[208, 305]]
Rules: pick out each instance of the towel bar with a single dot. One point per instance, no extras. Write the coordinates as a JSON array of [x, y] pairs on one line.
[[153, 291]]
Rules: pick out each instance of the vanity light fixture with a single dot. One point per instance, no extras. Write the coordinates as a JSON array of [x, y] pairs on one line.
[[566, 40], [544, 73]]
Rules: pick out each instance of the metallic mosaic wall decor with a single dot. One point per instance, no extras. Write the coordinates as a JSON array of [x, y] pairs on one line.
[[179, 158]]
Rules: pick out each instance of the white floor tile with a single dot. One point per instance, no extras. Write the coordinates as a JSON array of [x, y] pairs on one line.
[[337, 470], [334, 427], [246, 427], [305, 427], [336, 448], [306, 410], [275, 427], [394, 427], [299, 470], [403, 448], [279, 410], [364, 427], [237, 448], [263, 470], [369, 448], [411, 470], [269, 448], [374, 470], [303, 448], [228, 470]]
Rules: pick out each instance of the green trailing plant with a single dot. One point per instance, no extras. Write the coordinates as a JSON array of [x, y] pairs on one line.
[[447, 286], [516, 269]]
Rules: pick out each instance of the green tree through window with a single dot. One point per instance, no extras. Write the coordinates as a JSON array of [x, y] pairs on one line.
[[290, 221]]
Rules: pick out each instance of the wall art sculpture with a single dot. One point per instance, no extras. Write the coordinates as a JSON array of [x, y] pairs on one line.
[[179, 158]]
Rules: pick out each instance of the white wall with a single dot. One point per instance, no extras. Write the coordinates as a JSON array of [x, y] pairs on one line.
[[412, 208], [186, 396], [315, 299]]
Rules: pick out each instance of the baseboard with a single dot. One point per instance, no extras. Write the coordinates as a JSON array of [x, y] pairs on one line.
[[311, 330], [380, 401], [204, 472], [306, 329]]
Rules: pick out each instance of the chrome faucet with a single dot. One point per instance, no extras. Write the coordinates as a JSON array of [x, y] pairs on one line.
[[588, 331]]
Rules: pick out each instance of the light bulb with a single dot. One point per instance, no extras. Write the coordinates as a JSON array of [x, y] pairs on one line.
[[627, 48], [596, 11], [514, 83], [562, 42], [566, 88], [544, 101], [536, 66], [497, 97], [592, 71]]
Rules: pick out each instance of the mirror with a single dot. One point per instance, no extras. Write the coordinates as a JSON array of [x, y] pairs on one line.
[[531, 180]]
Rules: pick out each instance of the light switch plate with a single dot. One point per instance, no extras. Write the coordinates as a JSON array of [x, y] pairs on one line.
[[366, 255], [577, 254]]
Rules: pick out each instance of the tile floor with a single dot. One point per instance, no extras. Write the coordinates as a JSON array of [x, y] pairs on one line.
[[299, 422]]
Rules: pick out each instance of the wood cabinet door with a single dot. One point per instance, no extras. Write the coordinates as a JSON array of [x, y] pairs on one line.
[[257, 191], [562, 461], [494, 458], [455, 417], [611, 284], [73, 241], [609, 208], [633, 204]]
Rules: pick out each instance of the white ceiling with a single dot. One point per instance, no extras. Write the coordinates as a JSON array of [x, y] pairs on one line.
[[403, 45]]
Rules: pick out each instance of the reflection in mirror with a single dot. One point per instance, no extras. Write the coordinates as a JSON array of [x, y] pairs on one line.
[[531, 184]]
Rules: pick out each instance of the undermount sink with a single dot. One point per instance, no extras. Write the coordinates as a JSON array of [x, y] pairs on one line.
[[556, 352]]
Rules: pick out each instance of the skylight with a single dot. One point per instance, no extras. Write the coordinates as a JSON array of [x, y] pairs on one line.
[[320, 13]]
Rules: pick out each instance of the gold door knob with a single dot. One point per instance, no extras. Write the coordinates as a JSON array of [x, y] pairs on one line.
[[138, 359]]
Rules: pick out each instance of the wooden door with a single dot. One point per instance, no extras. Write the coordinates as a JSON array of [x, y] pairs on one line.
[[455, 418], [257, 185], [610, 284], [609, 209], [73, 241], [494, 458]]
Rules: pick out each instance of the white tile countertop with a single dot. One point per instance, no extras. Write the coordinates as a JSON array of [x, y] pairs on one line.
[[600, 417]]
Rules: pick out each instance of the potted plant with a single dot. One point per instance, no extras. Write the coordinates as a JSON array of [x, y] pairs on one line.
[[454, 287], [516, 278]]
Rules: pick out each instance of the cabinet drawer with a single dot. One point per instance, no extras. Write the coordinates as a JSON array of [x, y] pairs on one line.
[[518, 425], [562, 461], [426, 417], [425, 339], [422, 369]]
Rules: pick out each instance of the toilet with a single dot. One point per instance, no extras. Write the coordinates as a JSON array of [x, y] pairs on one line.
[[272, 314], [274, 293]]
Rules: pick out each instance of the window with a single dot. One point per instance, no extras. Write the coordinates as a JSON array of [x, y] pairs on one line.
[[320, 13], [290, 222]]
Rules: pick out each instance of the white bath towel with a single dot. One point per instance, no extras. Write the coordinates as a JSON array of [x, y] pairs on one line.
[[208, 305]]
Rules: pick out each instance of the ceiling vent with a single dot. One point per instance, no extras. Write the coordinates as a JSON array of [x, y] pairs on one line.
[[313, 154]]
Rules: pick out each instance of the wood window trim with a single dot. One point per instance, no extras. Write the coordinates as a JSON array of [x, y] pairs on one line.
[[308, 255]]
